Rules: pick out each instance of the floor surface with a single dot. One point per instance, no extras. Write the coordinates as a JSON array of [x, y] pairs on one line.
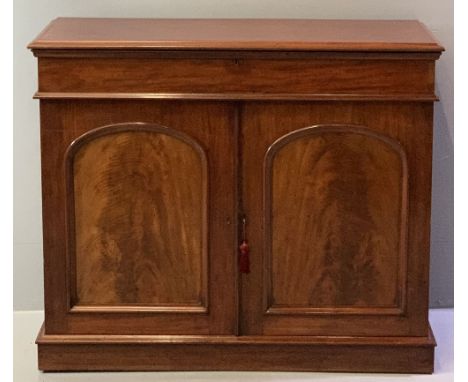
[[26, 326]]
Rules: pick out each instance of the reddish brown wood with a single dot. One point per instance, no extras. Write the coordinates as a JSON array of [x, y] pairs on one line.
[[137, 213], [406, 123], [236, 54], [65, 121], [242, 96], [237, 34], [136, 357], [318, 132], [50, 339], [258, 76], [375, 354], [344, 188]]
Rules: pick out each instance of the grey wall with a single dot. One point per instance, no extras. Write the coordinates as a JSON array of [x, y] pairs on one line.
[[30, 16]]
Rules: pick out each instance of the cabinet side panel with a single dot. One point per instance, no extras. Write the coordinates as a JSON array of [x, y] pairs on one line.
[[139, 219]]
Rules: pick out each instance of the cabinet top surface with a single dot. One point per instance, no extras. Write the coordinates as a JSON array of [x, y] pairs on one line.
[[237, 34]]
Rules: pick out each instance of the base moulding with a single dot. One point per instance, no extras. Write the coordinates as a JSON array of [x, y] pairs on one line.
[[67, 352]]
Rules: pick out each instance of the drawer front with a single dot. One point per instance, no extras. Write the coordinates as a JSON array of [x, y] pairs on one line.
[[360, 77]]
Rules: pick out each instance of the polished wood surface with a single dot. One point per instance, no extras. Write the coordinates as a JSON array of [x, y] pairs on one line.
[[335, 206], [408, 97], [383, 358], [234, 54], [139, 196], [158, 137], [258, 76], [402, 303], [210, 124], [237, 34], [114, 353]]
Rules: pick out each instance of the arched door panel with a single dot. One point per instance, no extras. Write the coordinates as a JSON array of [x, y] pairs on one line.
[[139, 212], [335, 222]]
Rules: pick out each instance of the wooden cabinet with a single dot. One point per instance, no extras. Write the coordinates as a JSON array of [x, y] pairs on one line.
[[168, 143]]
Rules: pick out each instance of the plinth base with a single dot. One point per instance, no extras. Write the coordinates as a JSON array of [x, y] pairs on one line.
[[247, 353]]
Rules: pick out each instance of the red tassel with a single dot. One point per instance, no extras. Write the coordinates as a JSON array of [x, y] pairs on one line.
[[244, 261]]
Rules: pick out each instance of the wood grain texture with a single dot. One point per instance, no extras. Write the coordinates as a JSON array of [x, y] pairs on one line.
[[242, 96], [65, 121], [277, 353], [297, 76], [235, 54], [335, 221], [139, 217], [173, 357], [237, 34], [262, 124], [339, 248], [84, 339]]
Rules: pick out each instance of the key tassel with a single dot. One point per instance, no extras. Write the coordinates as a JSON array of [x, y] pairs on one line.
[[244, 261]]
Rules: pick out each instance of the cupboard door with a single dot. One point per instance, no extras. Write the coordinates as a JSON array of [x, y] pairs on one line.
[[327, 200], [149, 195]]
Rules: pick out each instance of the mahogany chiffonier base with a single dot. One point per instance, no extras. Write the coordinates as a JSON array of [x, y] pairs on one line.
[[230, 353], [265, 180]]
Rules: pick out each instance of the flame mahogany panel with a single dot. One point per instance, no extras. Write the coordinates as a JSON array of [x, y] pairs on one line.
[[335, 204], [139, 216]]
